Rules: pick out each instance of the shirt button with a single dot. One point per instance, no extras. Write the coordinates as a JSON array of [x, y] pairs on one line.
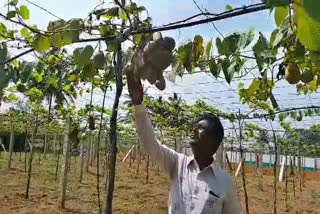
[[196, 191], [192, 207]]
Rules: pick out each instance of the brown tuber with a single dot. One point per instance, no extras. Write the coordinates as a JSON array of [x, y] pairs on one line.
[[292, 74], [152, 59]]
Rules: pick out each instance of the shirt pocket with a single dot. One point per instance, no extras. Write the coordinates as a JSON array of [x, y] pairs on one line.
[[213, 204]]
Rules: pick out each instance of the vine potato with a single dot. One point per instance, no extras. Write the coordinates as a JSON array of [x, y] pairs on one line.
[[161, 84], [292, 74], [157, 36], [169, 43], [21, 88], [151, 60], [307, 75], [99, 60]]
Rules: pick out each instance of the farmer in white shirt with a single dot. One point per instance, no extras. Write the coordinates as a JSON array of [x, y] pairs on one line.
[[197, 185]]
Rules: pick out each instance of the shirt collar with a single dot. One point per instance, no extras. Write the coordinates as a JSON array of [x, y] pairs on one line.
[[192, 160]]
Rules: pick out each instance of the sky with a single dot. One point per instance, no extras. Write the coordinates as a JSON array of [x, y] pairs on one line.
[[191, 87]]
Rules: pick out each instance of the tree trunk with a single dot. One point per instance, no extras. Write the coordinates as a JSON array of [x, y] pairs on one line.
[[300, 171], [130, 159], [147, 169], [39, 157], [88, 153], [2, 146], [58, 159], [30, 161], [64, 166], [286, 177], [11, 144], [81, 161], [139, 161], [275, 211], [45, 147], [92, 155], [55, 145], [69, 158], [293, 177], [260, 166]]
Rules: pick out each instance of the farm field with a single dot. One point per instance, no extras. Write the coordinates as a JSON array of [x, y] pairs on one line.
[[87, 84], [132, 194]]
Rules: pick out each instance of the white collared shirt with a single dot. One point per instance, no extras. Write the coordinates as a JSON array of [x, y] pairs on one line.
[[205, 191]]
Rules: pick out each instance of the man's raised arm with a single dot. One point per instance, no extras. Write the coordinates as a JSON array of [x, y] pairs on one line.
[[165, 157]]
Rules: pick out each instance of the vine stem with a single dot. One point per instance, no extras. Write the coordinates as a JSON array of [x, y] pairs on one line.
[[221, 16], [113, 124], [243, 172], [98, 147]]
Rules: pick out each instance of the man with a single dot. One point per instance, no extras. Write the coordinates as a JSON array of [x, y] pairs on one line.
[[197, 185]]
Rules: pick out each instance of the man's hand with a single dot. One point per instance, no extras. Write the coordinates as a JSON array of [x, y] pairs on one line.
[[135, 88]]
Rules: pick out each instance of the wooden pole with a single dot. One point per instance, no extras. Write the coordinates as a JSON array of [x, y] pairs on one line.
[[11, 144], [65, 159]]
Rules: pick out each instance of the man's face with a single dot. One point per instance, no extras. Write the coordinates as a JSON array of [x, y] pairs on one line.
[[204, 143]]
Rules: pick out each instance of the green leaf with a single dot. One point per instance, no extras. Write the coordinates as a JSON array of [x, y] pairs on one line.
[[71, 29], [123, 15], [112, 45], [52, 80], [276, 37], [72, 78], [12, 97], [185, 56], [308, 23], [24, 32], [198, 49], [255, 85], [3, 55], [26, 71], [89, 70], [82, 55], [11, 14], [111, 13], [228, 69], [208, 49], [228, 7], [3, 31], [38, 77], [4, 78], [67, 88], [24, 12], [99, 60], [137, 39], [229, 45], [219, 46], [280, 14], [35, 94], [57, 40], [177, 67], [246, 38], [41, 43], [214, 68], [315, 58], [262, 52]]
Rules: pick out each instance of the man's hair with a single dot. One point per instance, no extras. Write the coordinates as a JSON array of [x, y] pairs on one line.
[[215, 127]]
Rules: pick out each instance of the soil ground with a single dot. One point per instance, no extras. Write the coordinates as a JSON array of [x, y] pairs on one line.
[[132, 194]]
